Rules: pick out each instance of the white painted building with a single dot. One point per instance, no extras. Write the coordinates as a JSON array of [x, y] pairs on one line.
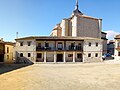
[[58, 49], [75, 39]]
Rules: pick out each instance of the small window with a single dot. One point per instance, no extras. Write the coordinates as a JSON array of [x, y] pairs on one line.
[[21, 54], [96, 44], [96, 55], [7, 57], [118, 53], [21, 43], [29, 54], [39, 55], [29, 43], [79, 55], [7, 49], [89, 55], [70, 55], [89, 44]]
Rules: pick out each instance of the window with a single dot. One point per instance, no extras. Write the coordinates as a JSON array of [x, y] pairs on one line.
[[118, 53], [79, 47], [73, 44], [89, 44], [79, 55], [21, 43], [79, 44], [96, 44], [70, 55], [21, 54], [39, 55], [7, 49], [96, 55], [7, 57], [29, 43], [89, 55], [29, 54], [39, 44], [118, 44], [46, 44], [72, 47], [60, 45]]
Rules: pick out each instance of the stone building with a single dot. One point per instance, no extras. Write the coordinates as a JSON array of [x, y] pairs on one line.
[[111, 47], [117, 47], [81, 25], [6, 51], [9, 50], [104, 38]]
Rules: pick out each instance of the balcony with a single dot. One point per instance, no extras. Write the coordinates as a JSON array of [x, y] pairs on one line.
[[69, 48], [42, 48], [75, 48]]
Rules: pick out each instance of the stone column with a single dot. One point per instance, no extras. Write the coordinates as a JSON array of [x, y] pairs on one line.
[[54, 57], [64, 57], [73, 56], [45, 56]]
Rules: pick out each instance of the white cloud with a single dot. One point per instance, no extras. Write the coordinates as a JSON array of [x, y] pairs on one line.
[[111, 34]]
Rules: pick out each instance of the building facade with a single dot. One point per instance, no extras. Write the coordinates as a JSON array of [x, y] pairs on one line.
[[58, 49], [111, 47], [6, 51], [2, 51], [117, 47], [9, 50], [104, 38]]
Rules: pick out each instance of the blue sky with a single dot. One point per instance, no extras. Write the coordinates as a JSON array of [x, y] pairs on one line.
[[38, 17]]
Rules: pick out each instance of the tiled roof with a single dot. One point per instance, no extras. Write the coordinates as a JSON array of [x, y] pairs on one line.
[[57, 38], [117, 36]]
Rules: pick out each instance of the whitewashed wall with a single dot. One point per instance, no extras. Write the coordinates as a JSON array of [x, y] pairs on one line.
[[25, 49], [93, 50]]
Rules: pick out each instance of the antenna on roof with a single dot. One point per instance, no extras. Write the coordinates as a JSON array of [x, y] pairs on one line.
[[16, 34]]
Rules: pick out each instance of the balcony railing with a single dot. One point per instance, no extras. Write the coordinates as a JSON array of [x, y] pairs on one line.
[[75, 48], [69, 48], [42, 48]]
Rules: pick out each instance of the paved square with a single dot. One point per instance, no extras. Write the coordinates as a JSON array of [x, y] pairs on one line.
[[90, 76]]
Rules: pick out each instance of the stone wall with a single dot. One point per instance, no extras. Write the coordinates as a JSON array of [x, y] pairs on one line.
[[85, 27]]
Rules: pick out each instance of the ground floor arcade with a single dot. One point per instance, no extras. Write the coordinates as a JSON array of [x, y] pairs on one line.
[[59, 57]]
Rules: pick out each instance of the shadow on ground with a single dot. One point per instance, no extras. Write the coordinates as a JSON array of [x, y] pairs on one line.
[[4, 68]]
